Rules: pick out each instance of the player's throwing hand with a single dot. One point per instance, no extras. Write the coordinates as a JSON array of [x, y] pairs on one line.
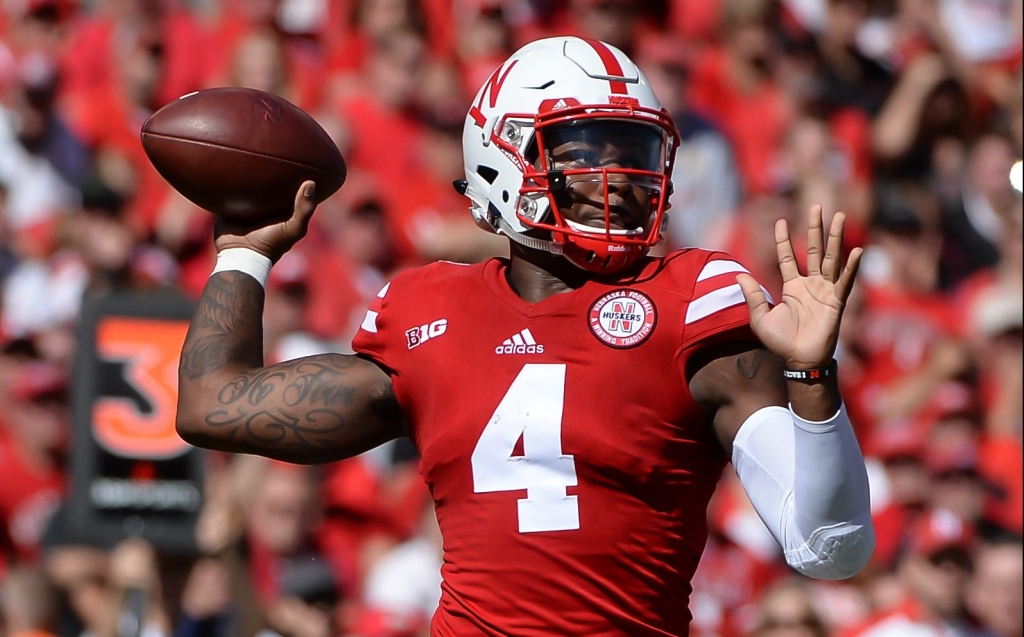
[[804, 327], [275, 239]]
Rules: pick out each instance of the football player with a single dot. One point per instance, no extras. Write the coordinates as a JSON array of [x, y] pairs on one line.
[[575, 404]]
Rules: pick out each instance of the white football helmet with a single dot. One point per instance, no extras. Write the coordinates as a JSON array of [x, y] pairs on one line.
[[568, 90]]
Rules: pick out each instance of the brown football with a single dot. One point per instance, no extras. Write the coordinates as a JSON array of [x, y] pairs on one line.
[[241, 153]]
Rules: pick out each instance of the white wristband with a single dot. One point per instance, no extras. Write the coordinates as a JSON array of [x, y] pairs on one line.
[[244, 260]]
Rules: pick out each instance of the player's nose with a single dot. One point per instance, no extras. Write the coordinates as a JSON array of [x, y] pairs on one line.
[[614, 179]]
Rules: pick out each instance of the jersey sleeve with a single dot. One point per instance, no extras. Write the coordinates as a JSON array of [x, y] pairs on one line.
[[379, 336], [717, 308]]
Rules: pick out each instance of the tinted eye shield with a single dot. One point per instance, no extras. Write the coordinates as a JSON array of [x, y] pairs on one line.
[[607, 145], [614, 165]]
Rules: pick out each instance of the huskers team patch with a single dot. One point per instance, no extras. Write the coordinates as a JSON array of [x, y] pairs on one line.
[[623, 318]]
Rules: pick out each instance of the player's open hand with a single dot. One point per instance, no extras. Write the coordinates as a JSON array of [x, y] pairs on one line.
[[803, 328], [271, 240]]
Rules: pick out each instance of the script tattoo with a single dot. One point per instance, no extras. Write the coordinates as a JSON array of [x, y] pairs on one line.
[[297, 404], [298, 410]]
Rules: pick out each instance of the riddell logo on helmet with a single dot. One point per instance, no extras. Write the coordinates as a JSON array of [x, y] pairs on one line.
[[521, 343]]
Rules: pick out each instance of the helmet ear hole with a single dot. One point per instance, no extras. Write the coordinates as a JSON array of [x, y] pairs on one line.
[[504, 196], [489, 174]]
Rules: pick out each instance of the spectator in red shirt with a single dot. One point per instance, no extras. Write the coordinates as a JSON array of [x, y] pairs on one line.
[[107, 115], [483, 40], [787, 610], [958, 487], [286, 331], [258, 61], [403, 587], [738, 564], [362, 25], [429, 222], [611, 21], [116, 29], [695, 20], [909, 335], [900, 448], [733, 84], [706, 184], [354, 254], [749, 236], [382, 132], [934, 572], [249, 48], [281, 512], [993, 306], [974, 476], [33, 439]]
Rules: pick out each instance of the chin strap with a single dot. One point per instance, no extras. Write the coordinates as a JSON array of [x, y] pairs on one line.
[[523, 240], [494, 218]]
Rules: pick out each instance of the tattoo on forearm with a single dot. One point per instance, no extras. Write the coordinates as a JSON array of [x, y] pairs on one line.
[[226, 305], [207, 354], [298, 410], [304, 383], [227, 327], [298, 405]]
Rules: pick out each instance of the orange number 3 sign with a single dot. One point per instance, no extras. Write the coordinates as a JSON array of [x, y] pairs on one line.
[[149, 350]]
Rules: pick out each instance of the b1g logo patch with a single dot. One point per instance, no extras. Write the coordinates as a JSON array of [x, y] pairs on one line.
[[623, 318], [419, 335]]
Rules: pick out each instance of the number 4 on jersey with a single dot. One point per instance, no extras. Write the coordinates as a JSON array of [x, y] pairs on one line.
[[531, 409]]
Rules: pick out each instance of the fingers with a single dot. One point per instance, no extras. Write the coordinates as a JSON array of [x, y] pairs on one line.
[[845, 284], [784, 248], [833, 252], [302, 212], [757, 303], [305, 202], [815, 241]]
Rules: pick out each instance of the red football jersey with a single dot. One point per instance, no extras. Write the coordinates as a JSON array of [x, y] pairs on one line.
[[569, 465]]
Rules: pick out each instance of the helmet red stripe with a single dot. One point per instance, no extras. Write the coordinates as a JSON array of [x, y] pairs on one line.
[[611, 65]]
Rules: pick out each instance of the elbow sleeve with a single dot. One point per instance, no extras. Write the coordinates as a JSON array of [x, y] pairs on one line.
[[808, 483]]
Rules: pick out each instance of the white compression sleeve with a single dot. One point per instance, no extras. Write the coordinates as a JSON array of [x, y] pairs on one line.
[[808, 483]]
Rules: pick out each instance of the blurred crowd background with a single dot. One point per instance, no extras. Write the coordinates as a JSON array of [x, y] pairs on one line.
[[905, 114]]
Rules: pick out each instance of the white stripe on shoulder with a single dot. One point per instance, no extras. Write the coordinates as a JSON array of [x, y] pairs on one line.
[[370, 322], [712, 302], [716, 301], [383, 290], [719, 266]]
